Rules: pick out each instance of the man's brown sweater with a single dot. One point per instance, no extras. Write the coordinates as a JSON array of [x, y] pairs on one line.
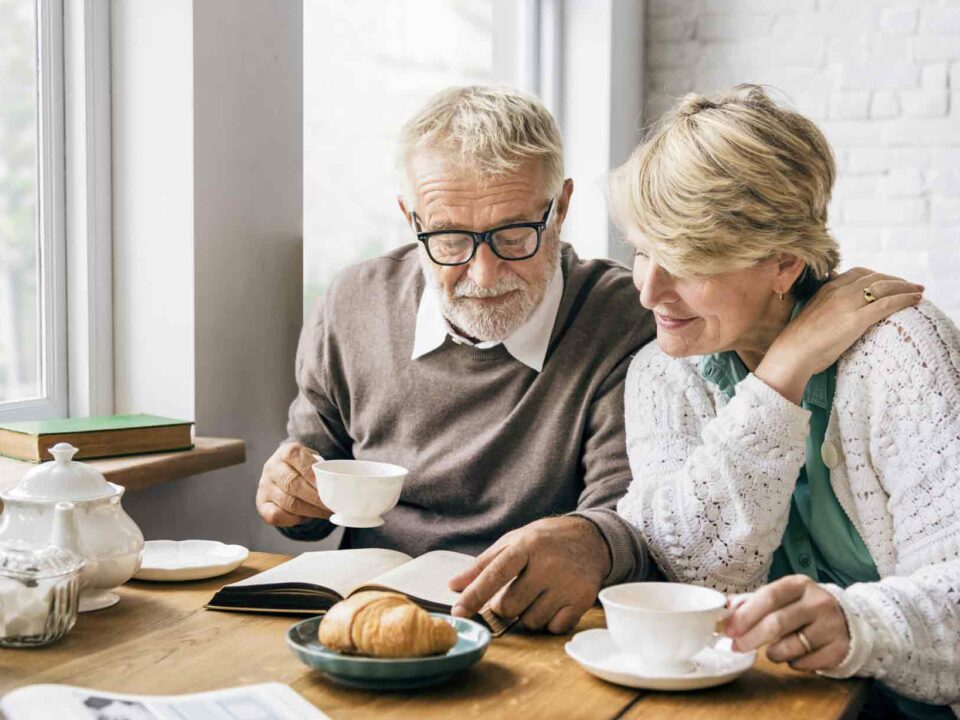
[[491, 444]]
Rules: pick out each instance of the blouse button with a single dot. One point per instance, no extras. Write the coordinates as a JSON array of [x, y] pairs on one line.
[[829, 455]]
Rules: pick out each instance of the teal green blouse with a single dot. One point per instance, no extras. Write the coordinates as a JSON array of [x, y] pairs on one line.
[[819, 541]]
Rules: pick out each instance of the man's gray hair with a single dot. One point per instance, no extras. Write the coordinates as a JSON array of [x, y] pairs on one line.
[[490, 130]]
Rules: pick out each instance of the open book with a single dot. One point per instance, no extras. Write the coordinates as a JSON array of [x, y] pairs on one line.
[[313, 582], [65, 702]]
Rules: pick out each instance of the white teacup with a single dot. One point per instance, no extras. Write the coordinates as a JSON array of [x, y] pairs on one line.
[[358, 491], [663, 625]]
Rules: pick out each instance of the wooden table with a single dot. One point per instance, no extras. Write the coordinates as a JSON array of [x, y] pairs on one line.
[[159, 640]]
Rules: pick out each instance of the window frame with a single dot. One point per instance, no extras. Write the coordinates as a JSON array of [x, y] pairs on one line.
[[528, 49], [52, 399], [74, 201], [89, 208]]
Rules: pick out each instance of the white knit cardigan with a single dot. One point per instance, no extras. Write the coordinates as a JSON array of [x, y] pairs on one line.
[[713, 479]]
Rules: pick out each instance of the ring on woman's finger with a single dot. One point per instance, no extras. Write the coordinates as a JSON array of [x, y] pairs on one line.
[[868, 295], [804, 641]]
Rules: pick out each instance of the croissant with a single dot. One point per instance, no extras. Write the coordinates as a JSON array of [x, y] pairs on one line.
[[385, 625]]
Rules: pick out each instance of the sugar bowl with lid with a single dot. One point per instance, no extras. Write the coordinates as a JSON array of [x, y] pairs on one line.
[[89, 522]]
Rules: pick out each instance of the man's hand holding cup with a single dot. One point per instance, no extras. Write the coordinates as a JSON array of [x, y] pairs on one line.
[[287, 493]]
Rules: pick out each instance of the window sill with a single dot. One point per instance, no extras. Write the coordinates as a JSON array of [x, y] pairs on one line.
[[140, 471]]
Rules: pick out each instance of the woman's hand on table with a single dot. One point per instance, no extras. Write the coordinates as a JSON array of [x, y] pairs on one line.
[[287, 493], [831, 321], [547, 574], [774, 614]]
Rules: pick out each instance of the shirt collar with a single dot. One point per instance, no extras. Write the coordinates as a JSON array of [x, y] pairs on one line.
[[528, 343], [723, 369]]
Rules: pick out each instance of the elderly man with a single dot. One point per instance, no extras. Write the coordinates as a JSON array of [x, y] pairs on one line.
[[489, 360]]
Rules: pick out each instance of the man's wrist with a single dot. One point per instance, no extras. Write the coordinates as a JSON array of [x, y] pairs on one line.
[[309, 529], [602, 550]]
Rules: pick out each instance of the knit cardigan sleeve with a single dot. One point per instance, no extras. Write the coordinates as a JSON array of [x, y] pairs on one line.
[[711, 486], [906, 627]]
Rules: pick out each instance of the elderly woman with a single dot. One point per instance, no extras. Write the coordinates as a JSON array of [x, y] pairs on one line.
[[787, 434]]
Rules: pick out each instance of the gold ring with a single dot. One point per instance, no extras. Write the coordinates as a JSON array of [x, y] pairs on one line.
[[869, 296], [805, 642]]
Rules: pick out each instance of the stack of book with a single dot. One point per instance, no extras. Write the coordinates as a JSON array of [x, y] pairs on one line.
[[96, 437]]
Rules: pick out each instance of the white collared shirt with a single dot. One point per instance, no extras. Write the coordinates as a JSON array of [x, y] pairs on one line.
[[528, 343]]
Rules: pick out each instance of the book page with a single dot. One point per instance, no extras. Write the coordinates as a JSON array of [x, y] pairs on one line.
[[425, 577], [65, 702], [337, 570]]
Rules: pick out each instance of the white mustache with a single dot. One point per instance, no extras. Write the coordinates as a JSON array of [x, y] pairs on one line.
[[469, 289]]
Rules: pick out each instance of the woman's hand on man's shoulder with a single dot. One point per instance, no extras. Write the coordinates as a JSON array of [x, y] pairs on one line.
[[841, 311]]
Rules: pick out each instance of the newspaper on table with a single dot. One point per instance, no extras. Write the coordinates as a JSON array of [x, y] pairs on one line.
[[266, 701]]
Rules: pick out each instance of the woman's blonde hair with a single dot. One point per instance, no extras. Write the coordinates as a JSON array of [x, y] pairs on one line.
[[490, 130], [726, 181]]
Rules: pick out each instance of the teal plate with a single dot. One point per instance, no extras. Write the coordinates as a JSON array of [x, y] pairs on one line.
[[389, 674]]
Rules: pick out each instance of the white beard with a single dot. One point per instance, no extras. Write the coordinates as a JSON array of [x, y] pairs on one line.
[[493, 322]]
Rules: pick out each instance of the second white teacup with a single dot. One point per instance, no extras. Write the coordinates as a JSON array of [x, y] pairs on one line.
[[358, 491], [663, 625]]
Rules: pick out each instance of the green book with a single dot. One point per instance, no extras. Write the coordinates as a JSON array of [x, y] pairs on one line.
[[95, 437]]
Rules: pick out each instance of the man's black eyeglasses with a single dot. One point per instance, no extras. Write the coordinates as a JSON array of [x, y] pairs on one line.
[[515, 241]]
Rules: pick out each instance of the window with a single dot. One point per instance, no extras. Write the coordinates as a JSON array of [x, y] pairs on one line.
[[19, 249], [367, 68], [55, 183], [32, 277]]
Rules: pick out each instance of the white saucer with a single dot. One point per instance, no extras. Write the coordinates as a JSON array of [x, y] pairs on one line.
[[597, 653], [172, 560]]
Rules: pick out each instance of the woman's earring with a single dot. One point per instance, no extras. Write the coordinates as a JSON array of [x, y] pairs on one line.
[[781, 295]]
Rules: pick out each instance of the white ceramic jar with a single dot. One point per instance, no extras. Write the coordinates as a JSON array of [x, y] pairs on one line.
[[90, 521]]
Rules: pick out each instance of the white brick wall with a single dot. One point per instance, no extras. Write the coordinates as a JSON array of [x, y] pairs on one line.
[[880, 77]]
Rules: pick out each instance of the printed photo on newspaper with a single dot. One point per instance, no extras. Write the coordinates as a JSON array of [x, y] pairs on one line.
[[266, 701]]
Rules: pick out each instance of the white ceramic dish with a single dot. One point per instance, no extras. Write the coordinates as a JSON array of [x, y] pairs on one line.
[[176, 561], [390, 673], [597, 653]]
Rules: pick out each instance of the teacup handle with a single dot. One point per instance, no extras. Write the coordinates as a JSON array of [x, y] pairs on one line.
[[733, 602], [721, 619], [316, 459]]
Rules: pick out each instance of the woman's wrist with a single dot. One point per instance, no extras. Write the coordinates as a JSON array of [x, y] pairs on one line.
[[860, 633], [787, 375]]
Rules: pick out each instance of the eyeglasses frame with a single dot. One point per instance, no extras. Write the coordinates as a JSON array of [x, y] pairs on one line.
[[485, 236]]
